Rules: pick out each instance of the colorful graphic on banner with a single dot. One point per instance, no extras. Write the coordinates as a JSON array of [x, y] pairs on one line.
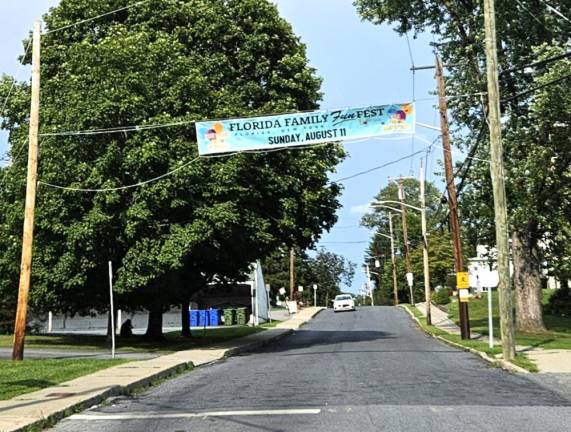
[[263, 133]]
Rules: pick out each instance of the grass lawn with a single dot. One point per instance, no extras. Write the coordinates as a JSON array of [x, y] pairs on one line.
[[558, 335], [17, 378], [174, 341], [520, 360]]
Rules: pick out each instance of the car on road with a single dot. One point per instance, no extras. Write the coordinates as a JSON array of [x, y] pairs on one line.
[[343, 302]]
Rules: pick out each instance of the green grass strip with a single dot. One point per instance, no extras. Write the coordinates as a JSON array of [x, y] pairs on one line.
[[521, 360], [19, 377]]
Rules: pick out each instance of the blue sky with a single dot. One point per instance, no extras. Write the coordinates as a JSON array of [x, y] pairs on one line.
[[361, 64]]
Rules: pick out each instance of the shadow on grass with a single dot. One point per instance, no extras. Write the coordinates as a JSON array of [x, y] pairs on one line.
[[30, 383]]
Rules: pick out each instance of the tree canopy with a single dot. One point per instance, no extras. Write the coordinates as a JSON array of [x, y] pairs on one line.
[[161, 62], [535, 123]]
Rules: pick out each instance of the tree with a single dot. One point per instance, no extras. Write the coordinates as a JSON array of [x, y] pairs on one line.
[[458, 29], [329, 271], [161, 62], [380, 247]]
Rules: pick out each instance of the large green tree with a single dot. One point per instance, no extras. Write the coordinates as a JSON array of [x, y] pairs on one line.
[[526, 32], [164, 61], [380, 246]]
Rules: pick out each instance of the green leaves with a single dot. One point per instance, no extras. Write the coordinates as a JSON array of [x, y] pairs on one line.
[[162, 62]]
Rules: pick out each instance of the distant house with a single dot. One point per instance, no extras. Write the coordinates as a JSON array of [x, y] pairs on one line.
[[484, 274]]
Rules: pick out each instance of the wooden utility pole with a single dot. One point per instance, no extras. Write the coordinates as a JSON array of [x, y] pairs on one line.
[[26, 262], [451, 188], [394, 264], [405, 238], [499, 190], [291, 274]]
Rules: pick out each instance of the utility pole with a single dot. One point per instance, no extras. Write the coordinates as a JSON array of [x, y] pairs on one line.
[[32, 178], [499, 190], [394, 264], [451, 188], [370, 285], [427, 293], [291, 274], [400, 184]]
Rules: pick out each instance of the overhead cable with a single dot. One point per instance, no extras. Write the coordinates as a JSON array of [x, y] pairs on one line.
[[96, 17], [75, 189]]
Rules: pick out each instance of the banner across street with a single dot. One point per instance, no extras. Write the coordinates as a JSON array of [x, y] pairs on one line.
[[302, 128]]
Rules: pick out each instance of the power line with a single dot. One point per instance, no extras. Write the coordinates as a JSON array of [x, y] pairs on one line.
[[376, 168], [74, 189], [547, 84], [555, 11], [412, 68], [98, 16], [533, 15], [537, 63]]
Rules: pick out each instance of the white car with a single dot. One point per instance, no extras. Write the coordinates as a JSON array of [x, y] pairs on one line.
[[343, 302]]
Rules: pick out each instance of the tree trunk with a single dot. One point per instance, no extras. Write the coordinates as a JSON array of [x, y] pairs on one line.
[[185, 318], [527, 283], [155, 323]]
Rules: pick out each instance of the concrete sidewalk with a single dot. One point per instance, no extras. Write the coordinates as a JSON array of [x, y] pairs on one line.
[[546, 360], [54, 403]]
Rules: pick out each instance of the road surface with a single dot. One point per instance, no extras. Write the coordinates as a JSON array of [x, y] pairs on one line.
[[370, 370]]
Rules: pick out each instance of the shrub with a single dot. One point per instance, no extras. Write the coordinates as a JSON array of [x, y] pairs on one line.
[[441, 297], [559, 303]]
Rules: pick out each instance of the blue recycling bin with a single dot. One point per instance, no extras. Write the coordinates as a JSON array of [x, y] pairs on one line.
[[214, 317], [194, 318], [202, 318]]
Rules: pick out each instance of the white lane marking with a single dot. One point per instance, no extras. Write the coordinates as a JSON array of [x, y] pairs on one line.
[[193, 415]]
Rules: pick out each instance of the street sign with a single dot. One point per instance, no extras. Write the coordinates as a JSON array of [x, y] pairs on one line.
[[463, 295], [462, 280], [300, 288], [282, 291], [409, 279]]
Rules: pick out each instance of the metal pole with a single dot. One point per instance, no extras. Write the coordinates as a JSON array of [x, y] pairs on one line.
[[490, 321], [112, 310], [50, 321], [314, 295], [30, 206], [427, 293], [499, 189], [451, 189], [405, 238], [395, 287], [291, 274], [370, 286]]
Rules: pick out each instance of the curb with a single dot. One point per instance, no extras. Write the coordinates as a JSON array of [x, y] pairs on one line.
[[510, 367], [117, 390]]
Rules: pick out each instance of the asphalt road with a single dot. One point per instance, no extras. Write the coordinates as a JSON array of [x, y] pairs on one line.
[[370, 370]]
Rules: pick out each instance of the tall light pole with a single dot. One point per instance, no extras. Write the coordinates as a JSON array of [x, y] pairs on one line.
[[426, 267], [409, 275], [427, 292], [393, 261], [369, 287]]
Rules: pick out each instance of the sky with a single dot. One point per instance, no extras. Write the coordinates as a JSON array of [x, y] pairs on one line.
[[361, 64]]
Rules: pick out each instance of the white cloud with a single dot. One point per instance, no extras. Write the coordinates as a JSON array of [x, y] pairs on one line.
[[361, 208]]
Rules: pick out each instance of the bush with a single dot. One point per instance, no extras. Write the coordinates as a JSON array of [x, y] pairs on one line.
[[559, 303], [441, 297]]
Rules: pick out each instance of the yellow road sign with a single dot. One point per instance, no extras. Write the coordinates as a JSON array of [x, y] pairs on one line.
[[462, 280]]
